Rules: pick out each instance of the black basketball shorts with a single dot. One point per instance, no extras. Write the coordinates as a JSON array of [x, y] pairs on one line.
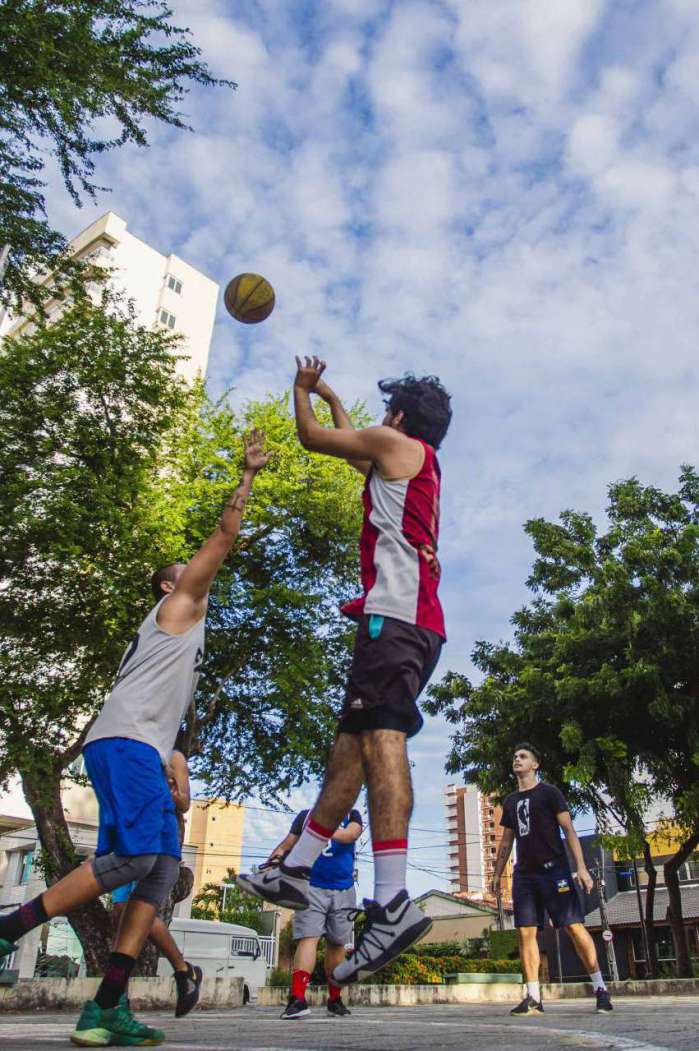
[[390, 669]]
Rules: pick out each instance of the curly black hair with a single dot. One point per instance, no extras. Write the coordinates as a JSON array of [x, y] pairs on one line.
[[424, 403]]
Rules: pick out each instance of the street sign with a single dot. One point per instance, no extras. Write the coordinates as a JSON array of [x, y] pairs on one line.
[[608, 936]]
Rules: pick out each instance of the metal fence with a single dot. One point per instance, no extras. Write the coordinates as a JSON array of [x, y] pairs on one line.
[[249, 945]]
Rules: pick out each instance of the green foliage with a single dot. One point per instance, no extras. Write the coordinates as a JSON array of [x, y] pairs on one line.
[[239, 908], [503, 944], [279, 978], [602, 671], [69, 68], [86, 405], [421, 969]]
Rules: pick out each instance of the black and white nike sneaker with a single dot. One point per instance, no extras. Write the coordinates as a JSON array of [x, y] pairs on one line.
[[188, 986], [528, 1006], [278, 883], [295, 1009], [604, 1001], [390, 930], [337, 1009]]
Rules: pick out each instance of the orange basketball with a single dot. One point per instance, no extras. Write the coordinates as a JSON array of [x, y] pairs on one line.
[[249, 298]]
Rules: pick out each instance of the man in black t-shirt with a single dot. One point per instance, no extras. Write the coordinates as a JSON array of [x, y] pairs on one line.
[[534, 816]]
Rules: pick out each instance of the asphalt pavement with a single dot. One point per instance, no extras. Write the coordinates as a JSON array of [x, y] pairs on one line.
[[637, 1024]]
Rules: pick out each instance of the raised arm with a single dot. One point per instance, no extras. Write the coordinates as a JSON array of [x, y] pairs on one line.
[[396, 455], [281, 848], [187, 603], [341, 420]]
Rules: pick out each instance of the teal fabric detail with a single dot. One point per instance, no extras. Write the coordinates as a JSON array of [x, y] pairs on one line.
[[375, 626]]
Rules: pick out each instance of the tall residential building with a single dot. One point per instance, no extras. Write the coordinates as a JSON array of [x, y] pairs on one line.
[[474, 834], [165, 290], [215, 828]]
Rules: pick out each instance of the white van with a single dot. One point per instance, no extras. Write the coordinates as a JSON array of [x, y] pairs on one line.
[[222, 950]]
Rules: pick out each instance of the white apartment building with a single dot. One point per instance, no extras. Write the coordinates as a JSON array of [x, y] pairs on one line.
[[165, 290]]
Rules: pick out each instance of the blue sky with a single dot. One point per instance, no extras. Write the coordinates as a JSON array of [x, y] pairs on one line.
[[503, 193]]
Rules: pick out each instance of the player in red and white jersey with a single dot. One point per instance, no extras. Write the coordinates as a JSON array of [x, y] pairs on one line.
[[399, 638]]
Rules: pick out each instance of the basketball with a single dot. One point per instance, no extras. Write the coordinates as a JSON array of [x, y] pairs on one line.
[[249, 298]]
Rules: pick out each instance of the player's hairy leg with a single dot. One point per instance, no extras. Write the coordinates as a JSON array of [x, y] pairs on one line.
[[390, 791], [343, 781]]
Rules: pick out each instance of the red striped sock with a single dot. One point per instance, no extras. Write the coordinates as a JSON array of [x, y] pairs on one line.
[[334, 991], [299, 982], [390, 864], [312, 842]]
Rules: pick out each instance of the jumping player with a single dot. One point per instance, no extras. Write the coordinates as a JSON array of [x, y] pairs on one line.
[[399, 639], [331, 902], [543, 883], [126, 751]]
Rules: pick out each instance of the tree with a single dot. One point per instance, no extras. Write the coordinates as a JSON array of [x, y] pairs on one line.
[[226, 903], [602, 670], [111, 466], [67, 67]]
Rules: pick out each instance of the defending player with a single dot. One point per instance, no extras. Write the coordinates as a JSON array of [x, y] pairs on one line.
[[543, 883], [399, 639], [126, 751], [332, 901]]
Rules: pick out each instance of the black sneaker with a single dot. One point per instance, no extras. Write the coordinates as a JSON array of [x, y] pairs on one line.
[[188, 986], [280, 884], [338, 1009], [604, 1001], [390, 930], [528, 1006], [295, 1009]]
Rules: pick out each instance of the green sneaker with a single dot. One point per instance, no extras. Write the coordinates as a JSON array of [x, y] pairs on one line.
[[114, 1026], [7, 948], [127, 1031], [90, 1030]]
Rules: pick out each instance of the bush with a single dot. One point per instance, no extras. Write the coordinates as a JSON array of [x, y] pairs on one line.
[[503, 945], [279, 978], [420, 969]]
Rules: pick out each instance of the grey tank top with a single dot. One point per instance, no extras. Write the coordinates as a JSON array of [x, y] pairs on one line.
[[154, 686]]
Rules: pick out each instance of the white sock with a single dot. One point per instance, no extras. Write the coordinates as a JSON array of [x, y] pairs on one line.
[[534, 990], [390, 864], [597, 981], [311, 844]]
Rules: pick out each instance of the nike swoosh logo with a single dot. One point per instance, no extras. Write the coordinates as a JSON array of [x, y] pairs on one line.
[[270, 877], [395, 917]]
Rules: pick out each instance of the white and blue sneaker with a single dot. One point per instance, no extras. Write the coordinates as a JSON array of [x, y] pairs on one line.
[[390, 930]]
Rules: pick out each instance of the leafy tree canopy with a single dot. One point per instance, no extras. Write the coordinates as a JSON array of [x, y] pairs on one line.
[[81, 77]]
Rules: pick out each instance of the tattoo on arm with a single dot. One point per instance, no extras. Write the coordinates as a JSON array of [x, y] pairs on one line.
[[236, 504]]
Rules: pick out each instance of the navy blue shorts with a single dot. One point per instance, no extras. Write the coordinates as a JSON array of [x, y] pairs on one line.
[[552, 891], [137, 811]]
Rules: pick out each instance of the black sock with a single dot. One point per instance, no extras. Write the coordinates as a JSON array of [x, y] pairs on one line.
[[28, 916], [116, 978]]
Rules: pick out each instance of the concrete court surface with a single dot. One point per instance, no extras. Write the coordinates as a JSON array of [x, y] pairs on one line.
[[637, 1024]]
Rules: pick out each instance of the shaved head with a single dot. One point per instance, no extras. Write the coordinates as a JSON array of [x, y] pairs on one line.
[[168, 574]]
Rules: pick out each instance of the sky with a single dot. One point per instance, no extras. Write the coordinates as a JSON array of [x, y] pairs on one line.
[[502, 193]]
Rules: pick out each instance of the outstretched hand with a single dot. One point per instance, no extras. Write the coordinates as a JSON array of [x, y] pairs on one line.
[[256, 456], [308, 375]]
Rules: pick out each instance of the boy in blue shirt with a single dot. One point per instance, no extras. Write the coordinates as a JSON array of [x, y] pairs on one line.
[[331, 898]]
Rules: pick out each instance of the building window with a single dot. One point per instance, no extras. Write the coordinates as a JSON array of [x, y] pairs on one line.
[[624, 875], [175, 284], [166, 318], [665, 946], [26, 863]]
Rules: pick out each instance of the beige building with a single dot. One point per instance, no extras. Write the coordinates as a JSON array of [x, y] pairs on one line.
[[215, 829], [456, 919], [165, 290], [474, 834]]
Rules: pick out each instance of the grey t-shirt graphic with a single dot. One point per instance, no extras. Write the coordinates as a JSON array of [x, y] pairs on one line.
[[154, 686]]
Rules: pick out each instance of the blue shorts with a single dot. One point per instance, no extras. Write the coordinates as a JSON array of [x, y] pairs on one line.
[[137, 811], [122, 894], [552, 891]]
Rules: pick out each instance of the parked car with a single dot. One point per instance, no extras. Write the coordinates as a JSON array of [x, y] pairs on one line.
[[222, 950]]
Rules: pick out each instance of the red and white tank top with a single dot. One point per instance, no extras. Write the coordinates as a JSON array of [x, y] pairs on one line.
[[398, 548]]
